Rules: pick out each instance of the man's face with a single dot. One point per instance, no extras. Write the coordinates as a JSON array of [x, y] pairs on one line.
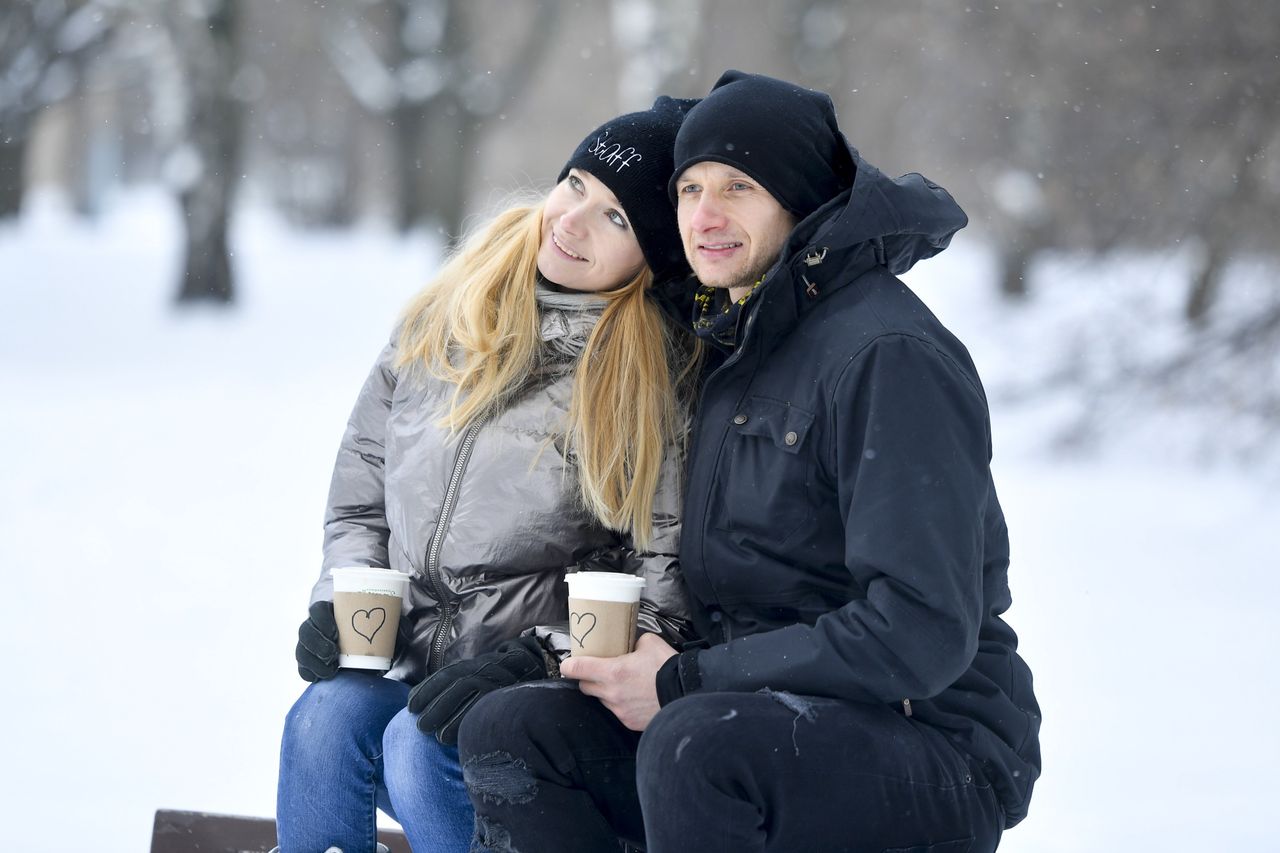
[[732, 228]]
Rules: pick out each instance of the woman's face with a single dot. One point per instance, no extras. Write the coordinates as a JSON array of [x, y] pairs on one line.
[[587, 241]]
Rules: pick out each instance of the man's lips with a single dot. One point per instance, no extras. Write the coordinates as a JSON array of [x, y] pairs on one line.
[[565, 250], [719, 248]]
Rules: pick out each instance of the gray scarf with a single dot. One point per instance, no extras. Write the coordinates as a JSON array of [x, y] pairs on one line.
[[567, 320]]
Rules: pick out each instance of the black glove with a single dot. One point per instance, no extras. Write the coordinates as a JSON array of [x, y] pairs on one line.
[[444, 698], [317, 651]]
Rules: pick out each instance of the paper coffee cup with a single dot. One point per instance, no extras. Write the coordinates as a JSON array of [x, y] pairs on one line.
[[366, 606], [602, 612]]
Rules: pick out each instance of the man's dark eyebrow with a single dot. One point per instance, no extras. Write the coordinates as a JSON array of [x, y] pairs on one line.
[[733, 175]]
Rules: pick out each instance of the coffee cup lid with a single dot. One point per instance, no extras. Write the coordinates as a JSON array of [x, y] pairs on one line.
[[606, 586], [369, 578]]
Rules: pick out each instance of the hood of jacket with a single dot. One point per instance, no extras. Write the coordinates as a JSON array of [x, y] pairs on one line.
[[877, 222], [882, 221]]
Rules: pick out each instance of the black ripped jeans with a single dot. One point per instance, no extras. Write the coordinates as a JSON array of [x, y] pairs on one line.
[[549, 769]]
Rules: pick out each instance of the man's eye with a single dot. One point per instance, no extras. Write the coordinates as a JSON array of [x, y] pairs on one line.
[[689, 189], [616, 218], [739, 185]]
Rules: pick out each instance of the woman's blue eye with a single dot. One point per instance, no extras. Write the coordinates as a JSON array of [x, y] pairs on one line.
[[616, 218], [575, 182]]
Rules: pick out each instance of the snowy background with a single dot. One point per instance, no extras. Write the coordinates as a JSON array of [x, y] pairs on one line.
[[163, 475]]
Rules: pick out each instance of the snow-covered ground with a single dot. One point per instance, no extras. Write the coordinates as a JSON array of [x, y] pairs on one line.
[[162, 476]]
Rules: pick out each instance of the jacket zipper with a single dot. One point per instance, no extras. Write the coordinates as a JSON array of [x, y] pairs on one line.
[[906, 707], [733, 358], [812, 259], [436, 657]]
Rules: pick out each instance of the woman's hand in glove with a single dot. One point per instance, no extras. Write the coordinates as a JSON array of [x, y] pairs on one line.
[[317, 651], [443, 699]]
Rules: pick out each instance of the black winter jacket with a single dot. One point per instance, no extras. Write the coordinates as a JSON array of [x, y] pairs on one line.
[[842, 530]]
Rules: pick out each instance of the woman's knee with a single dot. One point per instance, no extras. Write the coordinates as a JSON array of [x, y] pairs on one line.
[[351, 706], [414, 760], [406, 747], [402, 734]]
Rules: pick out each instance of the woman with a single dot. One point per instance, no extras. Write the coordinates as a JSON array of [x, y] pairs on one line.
[[521, 422]]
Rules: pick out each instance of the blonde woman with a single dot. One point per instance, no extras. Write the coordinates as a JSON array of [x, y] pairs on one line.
[[522, 422]]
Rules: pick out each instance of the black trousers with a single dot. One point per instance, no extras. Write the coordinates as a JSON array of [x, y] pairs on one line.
[[549, 769]]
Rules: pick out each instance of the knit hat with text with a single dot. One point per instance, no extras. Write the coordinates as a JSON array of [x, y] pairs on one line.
[[782, 135], [631, 155]]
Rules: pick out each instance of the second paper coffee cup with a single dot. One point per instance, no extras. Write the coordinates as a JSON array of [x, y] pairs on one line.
[[366, 606], [602, 612]]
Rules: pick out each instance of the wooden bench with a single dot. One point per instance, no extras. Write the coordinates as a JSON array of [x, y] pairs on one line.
[[200, 832]]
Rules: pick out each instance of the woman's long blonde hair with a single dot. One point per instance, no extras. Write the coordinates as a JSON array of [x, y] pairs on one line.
[[477, 326]]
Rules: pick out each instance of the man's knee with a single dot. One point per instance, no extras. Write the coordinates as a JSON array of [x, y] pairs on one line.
[[505, 730], [511, 718], [690, 738]]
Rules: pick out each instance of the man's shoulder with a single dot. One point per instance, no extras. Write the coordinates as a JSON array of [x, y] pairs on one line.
[[872, 304], [873, 309]]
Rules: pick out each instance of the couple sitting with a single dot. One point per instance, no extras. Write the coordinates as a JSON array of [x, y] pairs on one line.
[[787, 446]]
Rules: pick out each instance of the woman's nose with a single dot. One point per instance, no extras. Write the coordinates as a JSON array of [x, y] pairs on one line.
[[573, 219]]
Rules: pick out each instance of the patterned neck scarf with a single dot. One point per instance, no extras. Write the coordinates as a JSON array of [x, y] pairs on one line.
[[567, 320], [718, 315]]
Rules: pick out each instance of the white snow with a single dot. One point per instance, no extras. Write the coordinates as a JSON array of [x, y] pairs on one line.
[[163, 473]]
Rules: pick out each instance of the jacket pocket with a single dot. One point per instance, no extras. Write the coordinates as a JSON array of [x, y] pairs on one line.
[[766, 476], [959, 846]]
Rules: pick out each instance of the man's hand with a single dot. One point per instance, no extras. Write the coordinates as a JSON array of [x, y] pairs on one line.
[[626, 685]]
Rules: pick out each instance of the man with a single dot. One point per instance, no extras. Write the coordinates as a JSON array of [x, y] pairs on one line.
[[858, 690]]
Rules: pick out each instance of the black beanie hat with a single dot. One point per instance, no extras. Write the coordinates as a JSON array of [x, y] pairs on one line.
[[631, 155], [781, 134]]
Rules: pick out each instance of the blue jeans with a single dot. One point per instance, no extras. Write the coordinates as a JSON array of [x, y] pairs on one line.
[[351, 747]]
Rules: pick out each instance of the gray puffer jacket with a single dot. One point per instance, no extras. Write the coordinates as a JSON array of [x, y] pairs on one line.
[[489, 520]]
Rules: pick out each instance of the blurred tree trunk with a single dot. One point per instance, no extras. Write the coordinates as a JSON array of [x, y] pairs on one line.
[[1015, 267], [13, 155], [657, 41], [447, 154], [439, 90], [1243, 192], [44, 49], [408, 121], [436, 137], [214, 122], [1206, 282], [1015, 254]]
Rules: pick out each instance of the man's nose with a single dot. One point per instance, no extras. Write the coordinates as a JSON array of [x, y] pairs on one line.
[[707, 214]]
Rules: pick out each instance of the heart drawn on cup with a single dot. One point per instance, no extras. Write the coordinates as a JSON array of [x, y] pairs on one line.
[[369, 626], [577, 619]]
